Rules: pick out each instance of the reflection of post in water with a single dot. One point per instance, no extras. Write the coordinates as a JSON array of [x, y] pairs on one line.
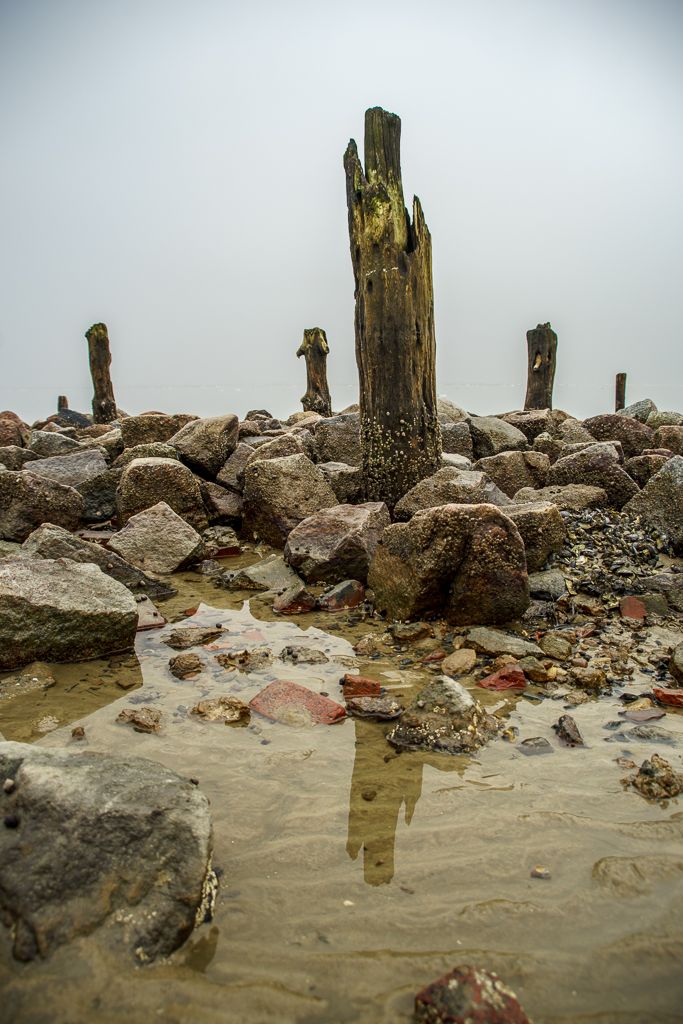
[[381, 782]]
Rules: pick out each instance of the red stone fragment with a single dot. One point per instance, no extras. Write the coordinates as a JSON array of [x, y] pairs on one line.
[[632, 608], [438, 655], [508, 678], [348, 594], [360, 686], [279, 699], [672, 697], [468, 995], [294, 601]]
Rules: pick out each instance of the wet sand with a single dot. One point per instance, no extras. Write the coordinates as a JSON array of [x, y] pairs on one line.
[[352, 876]]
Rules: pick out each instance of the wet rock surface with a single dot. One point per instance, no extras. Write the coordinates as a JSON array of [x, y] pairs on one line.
[[449, 486], [337, 543], [119, 846], [27, 501], [443, 717], [468, 995], [158, 540], [279, 493], [57, 610], [146, 482]]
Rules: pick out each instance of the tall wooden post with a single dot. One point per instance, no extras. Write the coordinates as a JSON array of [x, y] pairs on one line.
[[62, 403], [620, 392], [541, 344], [315, 350], [394, 320], [103, 403]]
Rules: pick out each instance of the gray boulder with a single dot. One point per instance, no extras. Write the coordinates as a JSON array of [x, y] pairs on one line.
[[444, 717], [145, 482], [639, 410], [206, 444], [465, 562], [231, 474], [642, 467], [15, 458], [99, 496], [57, 610], [449, 412], [491, 435], [222, 505], [513, 470], [26, 501], [277, 448], [456, 439], [345, 481], [50, 541], [449, 486], [567, 497], [572, 431], [47, 443], [152, 450], [158, 540], [598, 466], [338, 439], [663, 418], [337, 543], [116, 846], [660, 503], [151, 426], [279, 493], [542, 529], [533, 422], [633, 435], [70, 470]]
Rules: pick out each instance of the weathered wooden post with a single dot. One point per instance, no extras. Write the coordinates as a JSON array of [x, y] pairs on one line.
[[315, 350], [394, 320], [62, 403], [541, 344], [620, 392], [103, 403]]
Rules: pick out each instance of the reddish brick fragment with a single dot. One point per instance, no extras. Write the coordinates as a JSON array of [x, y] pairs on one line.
[[348, 594], [294, 601], [508, 678], [281, 700], [672, 697], [632, 608], [360, 686]]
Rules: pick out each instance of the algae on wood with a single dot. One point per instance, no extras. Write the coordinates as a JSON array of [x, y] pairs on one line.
[[394, 319], [542, 349], [315, 350], [103, 403]]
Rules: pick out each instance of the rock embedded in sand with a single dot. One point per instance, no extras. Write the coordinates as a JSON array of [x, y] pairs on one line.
[[465, 562], [656, 780], [57, 610], [157, 540], [184, 666], [468, 995], [443, 717], [114, 848], [224, 709], [191, 636], [459, 663]]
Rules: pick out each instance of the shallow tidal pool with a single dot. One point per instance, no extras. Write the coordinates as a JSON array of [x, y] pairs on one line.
[[350, 875]]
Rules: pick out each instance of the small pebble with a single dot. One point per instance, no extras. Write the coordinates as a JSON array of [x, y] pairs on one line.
[[11, 821], [540, 872], [78, 733], [8, 785]]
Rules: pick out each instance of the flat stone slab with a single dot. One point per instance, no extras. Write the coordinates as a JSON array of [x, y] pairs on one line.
[[495, 641]]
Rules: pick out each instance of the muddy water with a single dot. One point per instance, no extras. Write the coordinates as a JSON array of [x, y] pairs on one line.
[[353, 876]]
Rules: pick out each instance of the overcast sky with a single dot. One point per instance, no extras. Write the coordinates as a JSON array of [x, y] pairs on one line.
[[174, 168]]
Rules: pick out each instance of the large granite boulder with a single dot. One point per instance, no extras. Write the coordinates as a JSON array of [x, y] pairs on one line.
[[513, 470], [279, 493], [338, 543], [639, 410], [206, 444], [533, 422], [642, 467], [151, 426], [72, 469], [158, 540], [572, 431], [633, 435], [670, 437], [50, 541], [598, 466], [567, 497], [345, 481], [12, 432], [276, 448], [660, 503], [151, 450], [449, 486], [664, 418], [464, 562], [491, 435], [449, 412], [338, 439], [99, 496], [145, 482], [57, 610], [231, 474], [115, 846], [48, 443], [15, 458], [26, 501], [456, 439], [542, 529]]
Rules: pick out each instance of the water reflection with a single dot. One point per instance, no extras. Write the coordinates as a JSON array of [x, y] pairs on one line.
[[382, 782]]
